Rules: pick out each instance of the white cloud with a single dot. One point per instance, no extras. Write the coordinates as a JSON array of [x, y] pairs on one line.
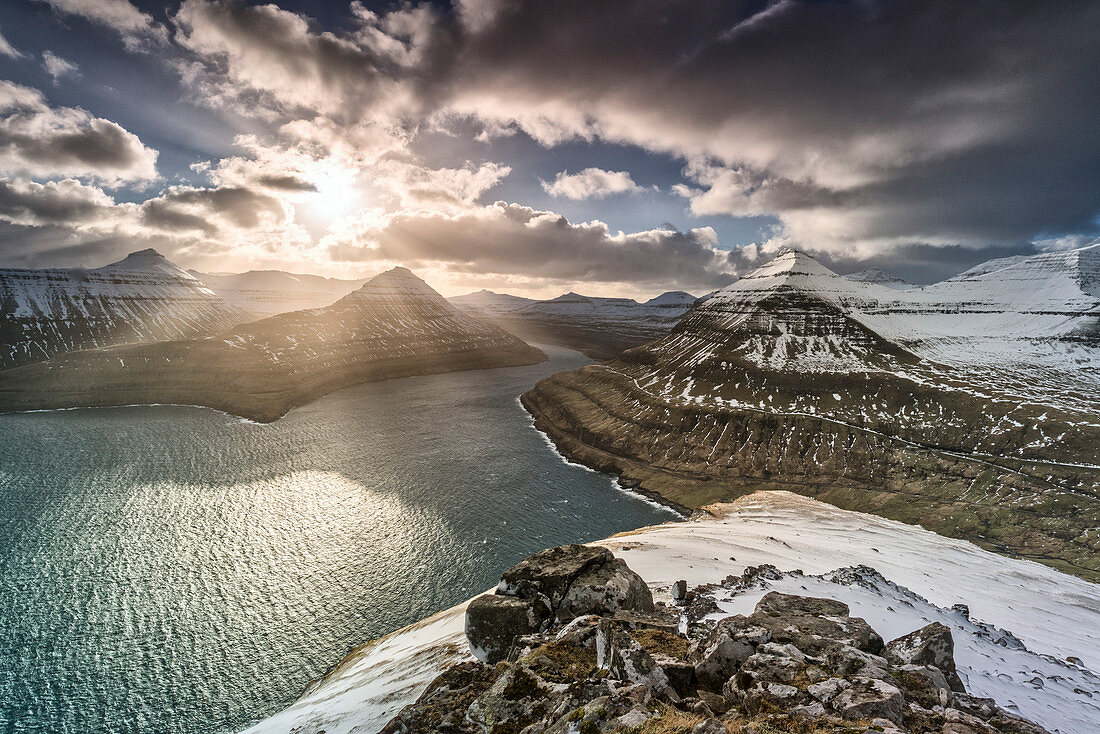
[[40, 141], [57, 67], [591, 183], [137, 29], [6, 49]]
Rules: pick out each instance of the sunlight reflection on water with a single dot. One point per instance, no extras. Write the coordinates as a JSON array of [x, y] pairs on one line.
[[179, 570]]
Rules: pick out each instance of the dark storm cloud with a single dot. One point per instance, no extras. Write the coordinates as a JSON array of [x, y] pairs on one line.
[[286, 183], [190, 208], [512, 239], [60, 202]]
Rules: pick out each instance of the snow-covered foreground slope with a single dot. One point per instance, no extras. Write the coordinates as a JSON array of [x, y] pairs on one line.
[[141, 298], [1024, 619], [270, 292]]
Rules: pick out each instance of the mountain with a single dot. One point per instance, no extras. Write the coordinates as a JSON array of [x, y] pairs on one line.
[[969, 406], [488, 303], [270, 292], [875, 275], [1024, 635], [395, 325], [602, 328], [142, 298]]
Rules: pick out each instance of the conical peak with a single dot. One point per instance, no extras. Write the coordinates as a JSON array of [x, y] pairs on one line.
[[396, 282], [147, 261]]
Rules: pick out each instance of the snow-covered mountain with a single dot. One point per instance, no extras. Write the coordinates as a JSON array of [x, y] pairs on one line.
[[395, 325], [142, 298], [1025, 635], [600, 327], [270, 292], [874, 275], [970, 406]]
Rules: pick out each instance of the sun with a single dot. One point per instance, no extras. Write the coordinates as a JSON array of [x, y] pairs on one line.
[[336, 195]]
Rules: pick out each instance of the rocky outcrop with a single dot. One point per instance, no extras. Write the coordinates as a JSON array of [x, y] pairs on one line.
[[555, 585], [394, 326], [796, 664]]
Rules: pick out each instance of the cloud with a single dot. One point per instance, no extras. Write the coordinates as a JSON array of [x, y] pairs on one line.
[[40, 141], [138, 30], [57, 67], [6, 49], [66, 202], [591, 183], [507, 238], [862, 125]]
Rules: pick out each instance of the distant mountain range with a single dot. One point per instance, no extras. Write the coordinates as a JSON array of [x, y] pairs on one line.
[[393, 326], [969, 406], [141, 298], [602, 328], [269, 292]]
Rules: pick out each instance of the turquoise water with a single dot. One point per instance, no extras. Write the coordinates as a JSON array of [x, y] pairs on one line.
[[180, 570]]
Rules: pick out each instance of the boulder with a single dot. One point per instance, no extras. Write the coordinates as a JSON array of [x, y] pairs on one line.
[[550, 572], [493, 622], [605, 589], [870, 698], [930, 645], [719, 654]]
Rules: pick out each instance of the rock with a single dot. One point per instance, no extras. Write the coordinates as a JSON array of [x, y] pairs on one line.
[[869, 698], [624, 659], [814, 625], [718, 704], [827, 690], [605, 589], [718, 656], [930, 645], [709, 726], [633, 718], [679, 591], [494, 622], [550, 572]]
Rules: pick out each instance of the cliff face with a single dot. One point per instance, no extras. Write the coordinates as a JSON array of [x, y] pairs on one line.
[[394, 326], [572, 642], [143, 298], [969, 407]]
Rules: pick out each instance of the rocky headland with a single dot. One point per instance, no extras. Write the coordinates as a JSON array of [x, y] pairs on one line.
[[572, 642]]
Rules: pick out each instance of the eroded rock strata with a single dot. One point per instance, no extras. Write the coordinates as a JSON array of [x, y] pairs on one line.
[[795, 664], [394, 326], [971, 407]]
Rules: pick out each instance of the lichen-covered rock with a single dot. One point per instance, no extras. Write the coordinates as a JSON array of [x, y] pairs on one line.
[[550, 572], [493, 622], [604, 589], [930, 645]]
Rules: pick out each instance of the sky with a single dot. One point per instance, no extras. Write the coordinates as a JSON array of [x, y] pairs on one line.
[[624, 147]]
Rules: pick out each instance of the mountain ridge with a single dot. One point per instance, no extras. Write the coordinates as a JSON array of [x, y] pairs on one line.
[[395, 325], [142, 298], [969, 406]]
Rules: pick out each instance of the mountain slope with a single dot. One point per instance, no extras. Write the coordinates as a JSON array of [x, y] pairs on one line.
[[142, 298], [875, 275], [271, 292], [394, 326], [970, 406], [602, 328]]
